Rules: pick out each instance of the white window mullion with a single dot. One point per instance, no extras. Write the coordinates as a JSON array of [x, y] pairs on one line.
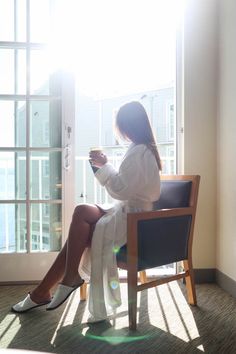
[[179, 99], [40, 171], [84, 181], [28, 211], [28, 177]]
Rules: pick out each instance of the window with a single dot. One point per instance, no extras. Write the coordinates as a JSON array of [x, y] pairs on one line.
[[30, 120], [141, 67], [122, 63], [131, 63]]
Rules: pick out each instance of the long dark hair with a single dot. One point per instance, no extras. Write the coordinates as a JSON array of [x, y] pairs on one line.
[[132, 123]]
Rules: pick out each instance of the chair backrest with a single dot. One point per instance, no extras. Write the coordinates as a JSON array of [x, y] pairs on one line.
[[174, 194], [178, 191], [164, 240], [168, 238]]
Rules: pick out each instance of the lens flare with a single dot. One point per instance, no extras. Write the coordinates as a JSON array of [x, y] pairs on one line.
[[114, 340], [114, 284], [116, 249]]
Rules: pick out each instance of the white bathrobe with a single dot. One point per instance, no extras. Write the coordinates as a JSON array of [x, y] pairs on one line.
[[135, 187]]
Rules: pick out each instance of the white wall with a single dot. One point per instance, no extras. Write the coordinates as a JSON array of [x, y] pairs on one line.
[[226, 140], [200, 88]]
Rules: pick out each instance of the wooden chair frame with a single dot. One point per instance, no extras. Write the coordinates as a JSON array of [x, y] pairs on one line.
[[132, 251]]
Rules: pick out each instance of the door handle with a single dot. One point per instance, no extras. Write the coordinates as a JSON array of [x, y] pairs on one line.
[[67, 157]]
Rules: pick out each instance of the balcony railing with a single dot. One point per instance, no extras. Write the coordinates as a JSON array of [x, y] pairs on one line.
[[88, 190]]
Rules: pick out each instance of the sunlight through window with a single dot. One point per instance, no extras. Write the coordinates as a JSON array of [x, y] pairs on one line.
[[114, 46]]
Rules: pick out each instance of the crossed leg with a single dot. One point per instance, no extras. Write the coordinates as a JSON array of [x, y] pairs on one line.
[[65, 266]]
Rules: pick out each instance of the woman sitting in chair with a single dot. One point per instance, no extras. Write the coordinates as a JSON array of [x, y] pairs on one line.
[[96, 234]]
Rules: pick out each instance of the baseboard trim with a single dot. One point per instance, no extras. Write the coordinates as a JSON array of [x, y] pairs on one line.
[[203, 275], [206, 275], [16, 282], [226, 283]]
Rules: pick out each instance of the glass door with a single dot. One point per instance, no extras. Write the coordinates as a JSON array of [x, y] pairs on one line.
[[36, 138], [131, 56]]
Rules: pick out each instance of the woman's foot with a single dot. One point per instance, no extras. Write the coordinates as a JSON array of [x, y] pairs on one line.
[[40, 296], [72, 280]]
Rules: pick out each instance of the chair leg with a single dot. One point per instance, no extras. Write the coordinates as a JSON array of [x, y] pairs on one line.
[[190, 285], [143, 277], [132, 301], [83, 292]]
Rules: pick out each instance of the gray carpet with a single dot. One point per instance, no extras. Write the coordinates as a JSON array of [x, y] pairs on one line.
[[166, 324]]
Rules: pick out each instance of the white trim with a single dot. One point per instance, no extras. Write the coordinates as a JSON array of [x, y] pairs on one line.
[[68, 140], [180, 99], [33, 201], [21, 45], [15, 97]]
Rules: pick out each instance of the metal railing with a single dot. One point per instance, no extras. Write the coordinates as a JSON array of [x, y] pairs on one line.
[[88, 189]]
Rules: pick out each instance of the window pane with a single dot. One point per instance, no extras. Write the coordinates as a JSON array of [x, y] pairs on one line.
[[21, 20], [12, 228], [8, 71], [39, 71], [46, 175], [21, 71], [88, 190], [46, 226], [13, 124], [45, 120], [12, 175], [6, 20], [39, 10]]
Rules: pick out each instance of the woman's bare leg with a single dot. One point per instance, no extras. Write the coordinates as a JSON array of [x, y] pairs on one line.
[[65, 266], [85, 218], [54, 274]]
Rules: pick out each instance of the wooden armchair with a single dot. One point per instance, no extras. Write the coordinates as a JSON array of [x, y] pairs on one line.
[[160, 237]]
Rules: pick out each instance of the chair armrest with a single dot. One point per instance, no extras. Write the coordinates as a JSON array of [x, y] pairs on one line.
[[162, 213]]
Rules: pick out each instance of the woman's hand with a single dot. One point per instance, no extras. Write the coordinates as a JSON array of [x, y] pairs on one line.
[[98, 159]]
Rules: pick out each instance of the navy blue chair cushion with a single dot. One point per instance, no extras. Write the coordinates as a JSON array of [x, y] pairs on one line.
[[160, 241], [164, 241], [174, 194]]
